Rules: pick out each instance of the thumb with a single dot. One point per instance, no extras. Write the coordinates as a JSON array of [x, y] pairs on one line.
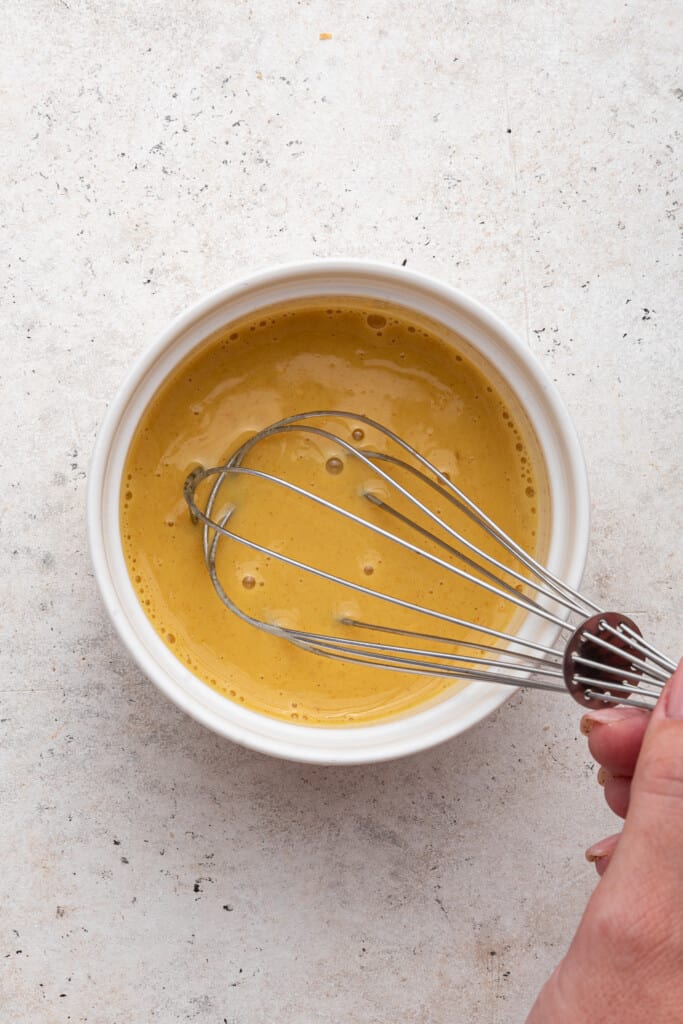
[[652, 840], [624, 963]]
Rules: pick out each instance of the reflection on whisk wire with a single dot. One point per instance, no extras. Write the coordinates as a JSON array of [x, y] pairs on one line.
[[605, 661]]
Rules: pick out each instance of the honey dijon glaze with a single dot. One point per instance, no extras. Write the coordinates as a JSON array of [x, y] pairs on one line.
[[376, 360]]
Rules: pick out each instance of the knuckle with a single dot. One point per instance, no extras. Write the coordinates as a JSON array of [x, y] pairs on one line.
[[639, 930], [617, 929]]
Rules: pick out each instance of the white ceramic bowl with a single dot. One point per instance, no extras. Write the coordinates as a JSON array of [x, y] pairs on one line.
[[486, 334]]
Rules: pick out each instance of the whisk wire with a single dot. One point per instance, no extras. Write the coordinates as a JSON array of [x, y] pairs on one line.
[[520, 600], [478, 514], [221, 529], [640, 644], [597, 668], [435, 638], [555, 594]]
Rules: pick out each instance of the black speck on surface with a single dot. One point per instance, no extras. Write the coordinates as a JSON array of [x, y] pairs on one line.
[[227, 906], [124, 860]]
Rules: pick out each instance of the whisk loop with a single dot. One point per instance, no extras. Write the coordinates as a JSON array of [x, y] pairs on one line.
[[605, 661]]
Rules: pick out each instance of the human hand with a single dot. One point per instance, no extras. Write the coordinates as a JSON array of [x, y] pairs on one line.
[[625, 963]]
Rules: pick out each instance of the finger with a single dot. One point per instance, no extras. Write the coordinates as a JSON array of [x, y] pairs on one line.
[[600, 853], [615, 736], [617, 794], [653, 832]]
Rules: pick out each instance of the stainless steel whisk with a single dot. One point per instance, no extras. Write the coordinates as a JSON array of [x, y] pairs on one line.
[[606, 660]]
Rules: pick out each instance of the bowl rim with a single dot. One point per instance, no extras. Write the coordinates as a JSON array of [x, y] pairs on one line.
[[310, 744]]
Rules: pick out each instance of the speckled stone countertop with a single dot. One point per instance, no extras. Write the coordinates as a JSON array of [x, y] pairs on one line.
[[528, 153]]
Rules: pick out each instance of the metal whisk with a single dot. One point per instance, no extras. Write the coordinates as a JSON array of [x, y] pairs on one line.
[[605, 660]]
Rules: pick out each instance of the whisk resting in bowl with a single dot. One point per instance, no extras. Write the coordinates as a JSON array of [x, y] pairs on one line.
[[403, 501]]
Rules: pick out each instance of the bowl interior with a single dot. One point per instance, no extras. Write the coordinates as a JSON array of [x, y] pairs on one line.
[[487, 341]]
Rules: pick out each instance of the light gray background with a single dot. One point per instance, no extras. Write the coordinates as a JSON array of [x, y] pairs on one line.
[[527, 152]]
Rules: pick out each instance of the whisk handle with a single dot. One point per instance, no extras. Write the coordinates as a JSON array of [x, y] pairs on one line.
[[602, 658]]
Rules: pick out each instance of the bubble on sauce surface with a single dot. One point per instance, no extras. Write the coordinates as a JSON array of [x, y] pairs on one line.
[[334, 466], [376, 321], [358, 434]]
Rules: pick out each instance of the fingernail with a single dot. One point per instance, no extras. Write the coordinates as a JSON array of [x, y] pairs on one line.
[[603, 775], [597, 851], [674, 703], [603, 716], [603, 848]]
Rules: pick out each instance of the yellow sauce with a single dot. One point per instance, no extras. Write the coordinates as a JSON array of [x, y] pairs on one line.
[[377, 361]]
